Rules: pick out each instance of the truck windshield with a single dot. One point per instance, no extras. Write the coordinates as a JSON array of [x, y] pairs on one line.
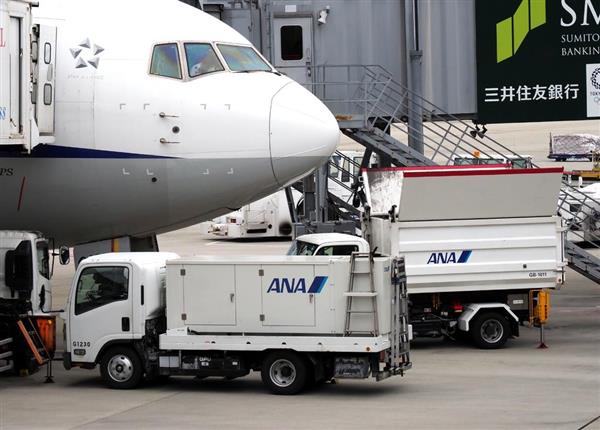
[[99, 286], [302, 248]]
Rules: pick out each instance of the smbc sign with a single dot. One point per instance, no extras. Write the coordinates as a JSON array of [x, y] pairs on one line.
[[538, 60]]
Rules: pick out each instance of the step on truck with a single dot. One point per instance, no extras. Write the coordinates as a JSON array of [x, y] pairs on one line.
[[27, 329], [482, 245], [296, 320]]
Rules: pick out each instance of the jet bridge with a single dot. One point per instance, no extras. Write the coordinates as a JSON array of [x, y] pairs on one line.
[[27, 71]]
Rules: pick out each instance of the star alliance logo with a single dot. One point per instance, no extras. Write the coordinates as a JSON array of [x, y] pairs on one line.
[[86, 54]]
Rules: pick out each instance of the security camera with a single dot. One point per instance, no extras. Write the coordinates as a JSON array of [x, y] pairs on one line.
[[323, 13]]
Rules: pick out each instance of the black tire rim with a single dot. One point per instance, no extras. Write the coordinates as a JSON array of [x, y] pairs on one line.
[[491, 331]]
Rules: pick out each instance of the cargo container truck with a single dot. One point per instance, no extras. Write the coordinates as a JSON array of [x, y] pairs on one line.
[[482, 244], [296, 320]]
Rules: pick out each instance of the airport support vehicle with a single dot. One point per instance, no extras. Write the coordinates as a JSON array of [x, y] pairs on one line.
[[297, 320], [267, 217], [563, 147], [27, 329], [482, 245]]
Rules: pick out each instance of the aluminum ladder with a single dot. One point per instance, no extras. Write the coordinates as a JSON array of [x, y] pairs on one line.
[[33, 340], [359, 259], [400, 334]]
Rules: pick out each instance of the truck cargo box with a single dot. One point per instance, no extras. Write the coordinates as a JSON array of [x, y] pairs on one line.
[[468, 228], [475, 255], [272, 294]]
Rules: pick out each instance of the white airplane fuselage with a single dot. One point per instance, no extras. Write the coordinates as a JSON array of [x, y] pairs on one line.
[[135, 153]]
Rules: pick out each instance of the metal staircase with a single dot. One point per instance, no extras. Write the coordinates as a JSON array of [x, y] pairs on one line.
[[374, 110], [583, 262]]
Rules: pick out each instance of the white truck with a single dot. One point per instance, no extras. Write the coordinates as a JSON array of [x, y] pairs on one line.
[[267, 217], [481, 246], [27, 329], [297, 320]]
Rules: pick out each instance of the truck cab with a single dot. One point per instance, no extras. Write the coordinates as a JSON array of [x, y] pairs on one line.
[[25, 270], [111, 298], [330, 244], [27, 328]]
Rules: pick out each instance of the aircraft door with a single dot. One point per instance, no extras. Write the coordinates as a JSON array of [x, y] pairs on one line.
[[293, 52], [46, 65], [15, 67], [4, 78]]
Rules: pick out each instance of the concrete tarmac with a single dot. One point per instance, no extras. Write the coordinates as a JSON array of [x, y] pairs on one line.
[[452, 385]]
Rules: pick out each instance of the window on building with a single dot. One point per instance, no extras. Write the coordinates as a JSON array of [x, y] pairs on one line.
[[291, 43], [99, 286], [243, 59], [165, 61], [201, 59]]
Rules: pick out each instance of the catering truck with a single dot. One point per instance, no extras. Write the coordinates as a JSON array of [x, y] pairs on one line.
[[482, 245], [27, 329], [297, 320]]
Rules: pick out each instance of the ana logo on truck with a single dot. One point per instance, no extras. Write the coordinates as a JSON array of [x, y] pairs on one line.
[[297, 285], [449, 257]]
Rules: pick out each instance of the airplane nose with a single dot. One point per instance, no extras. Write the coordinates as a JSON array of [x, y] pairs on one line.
[[303, 133]]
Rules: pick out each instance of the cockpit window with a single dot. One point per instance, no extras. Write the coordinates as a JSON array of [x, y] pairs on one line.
[[201, 59], [243, 58], [165, 61]]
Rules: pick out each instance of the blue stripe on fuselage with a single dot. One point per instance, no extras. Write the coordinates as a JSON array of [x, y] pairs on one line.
[[57, 151]]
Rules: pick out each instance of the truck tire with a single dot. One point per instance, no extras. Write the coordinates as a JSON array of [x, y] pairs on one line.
[[284, 372], [121, 368], [490, 330]]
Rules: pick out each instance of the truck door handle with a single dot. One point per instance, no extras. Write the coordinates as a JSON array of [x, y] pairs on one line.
[[310, 298], [231, 297], [125, 326]]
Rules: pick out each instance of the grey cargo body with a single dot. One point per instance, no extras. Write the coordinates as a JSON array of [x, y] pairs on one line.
[[271, 295]]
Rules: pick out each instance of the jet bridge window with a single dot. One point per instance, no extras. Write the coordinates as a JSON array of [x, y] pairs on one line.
[[201, 59], [99, 286], [291, 43], [243, 59], [165, 61]]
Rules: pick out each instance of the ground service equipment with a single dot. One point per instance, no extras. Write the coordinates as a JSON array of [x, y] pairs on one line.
[[480, 244], [27, 329], [153, 314]]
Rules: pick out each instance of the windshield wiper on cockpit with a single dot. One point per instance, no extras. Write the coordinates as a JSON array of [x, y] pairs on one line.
[[260, 70]]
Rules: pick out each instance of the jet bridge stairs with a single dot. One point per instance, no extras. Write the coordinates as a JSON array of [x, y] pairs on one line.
[[374, 110]]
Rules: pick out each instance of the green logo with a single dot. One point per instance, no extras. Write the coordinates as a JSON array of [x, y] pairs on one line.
[[511, 32]]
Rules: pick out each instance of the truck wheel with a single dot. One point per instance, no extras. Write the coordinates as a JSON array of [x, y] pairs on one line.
[[284, 372], [490, 330], [121, 368]]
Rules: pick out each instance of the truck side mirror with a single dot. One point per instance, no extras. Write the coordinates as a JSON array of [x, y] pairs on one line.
[[18, 269], [63, 255]]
